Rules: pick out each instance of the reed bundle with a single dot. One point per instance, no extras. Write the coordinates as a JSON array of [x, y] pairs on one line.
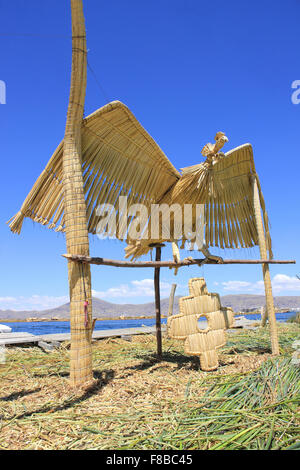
[[255, 411]]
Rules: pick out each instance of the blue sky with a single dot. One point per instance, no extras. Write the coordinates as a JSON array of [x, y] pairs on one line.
[[186, 69]]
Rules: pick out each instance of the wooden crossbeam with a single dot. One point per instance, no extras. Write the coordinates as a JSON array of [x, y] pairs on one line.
[[169, 264]]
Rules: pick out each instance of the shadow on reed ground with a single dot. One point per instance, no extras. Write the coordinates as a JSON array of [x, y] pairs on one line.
[[20, 394], [102, 378], [189, 363]]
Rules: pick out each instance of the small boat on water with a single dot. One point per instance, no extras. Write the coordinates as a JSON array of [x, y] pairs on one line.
[[5, 329]]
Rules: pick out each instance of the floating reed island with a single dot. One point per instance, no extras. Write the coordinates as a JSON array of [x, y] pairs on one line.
[[251, 402], [109, 155]]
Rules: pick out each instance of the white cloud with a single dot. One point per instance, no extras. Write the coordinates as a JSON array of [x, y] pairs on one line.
[[134, 290], [281, 285], [282, 282], [8, 299], [139, 289], [34, 302], [143, 288], [239, 286]]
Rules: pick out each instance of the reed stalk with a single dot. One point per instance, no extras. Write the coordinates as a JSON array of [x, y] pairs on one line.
[[75, 209]]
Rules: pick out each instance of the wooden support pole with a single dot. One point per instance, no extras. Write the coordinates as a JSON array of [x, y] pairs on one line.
[[265, 268], [75, 210], [168, 264], [171, 303], [171, 299], [157, 303], [264, 316]]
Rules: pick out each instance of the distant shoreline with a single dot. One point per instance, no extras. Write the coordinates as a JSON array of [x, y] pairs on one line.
[[38, 320], [122, 317], [106, 311]]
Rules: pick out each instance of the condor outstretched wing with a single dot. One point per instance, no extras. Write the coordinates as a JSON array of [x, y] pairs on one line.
[[225, 187], [118, 158]]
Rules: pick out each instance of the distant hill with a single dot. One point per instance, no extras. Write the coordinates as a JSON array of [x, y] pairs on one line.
[[247, 301], [101, 308]]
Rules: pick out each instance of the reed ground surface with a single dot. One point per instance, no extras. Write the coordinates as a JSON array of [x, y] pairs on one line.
[[137, 402]]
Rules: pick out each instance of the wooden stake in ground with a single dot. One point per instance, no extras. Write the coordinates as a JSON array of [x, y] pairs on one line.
[[157, 301], [265, 269], [264, 316], [75, 209], [171, 299]]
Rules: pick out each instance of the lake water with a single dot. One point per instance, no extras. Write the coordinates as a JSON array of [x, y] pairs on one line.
[[51, 327]]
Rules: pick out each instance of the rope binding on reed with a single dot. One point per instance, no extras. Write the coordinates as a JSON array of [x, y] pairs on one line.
[[86, 302]]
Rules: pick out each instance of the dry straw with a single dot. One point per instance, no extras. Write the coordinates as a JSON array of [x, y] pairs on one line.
[[118, 158], [138, 403]]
